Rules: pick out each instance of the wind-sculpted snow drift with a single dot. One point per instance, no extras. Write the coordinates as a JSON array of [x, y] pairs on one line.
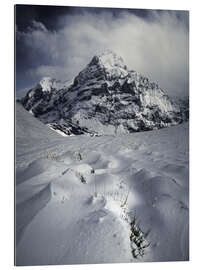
[[104, 199], [104, 98]]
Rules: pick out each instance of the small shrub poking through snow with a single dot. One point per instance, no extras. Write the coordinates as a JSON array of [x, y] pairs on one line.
[[52, 156], [126, 198], [138, 240], [78, 156], [81, 177]]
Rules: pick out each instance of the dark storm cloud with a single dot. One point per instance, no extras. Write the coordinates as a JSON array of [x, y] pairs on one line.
[[59, 42]]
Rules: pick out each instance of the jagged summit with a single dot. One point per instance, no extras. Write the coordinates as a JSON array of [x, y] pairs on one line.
[[106, 98], [47, 84], [108, 60], [107, 65]]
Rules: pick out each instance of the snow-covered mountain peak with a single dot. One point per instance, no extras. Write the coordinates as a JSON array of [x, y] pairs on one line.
[[105, 66], [47, 84], [108, 60], [106, 98]]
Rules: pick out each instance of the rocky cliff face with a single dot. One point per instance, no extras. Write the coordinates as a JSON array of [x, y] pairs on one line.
[[104, 98]]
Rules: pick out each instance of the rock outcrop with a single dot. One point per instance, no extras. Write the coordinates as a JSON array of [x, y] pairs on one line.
[[104, 98]]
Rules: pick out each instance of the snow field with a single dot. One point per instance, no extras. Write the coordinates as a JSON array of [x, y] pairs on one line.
[[102, 199]]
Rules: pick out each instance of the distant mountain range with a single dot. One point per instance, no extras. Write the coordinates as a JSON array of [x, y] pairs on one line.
[[104, 98]]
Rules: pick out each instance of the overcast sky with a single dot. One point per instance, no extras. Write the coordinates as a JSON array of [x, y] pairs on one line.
[[60, 41]]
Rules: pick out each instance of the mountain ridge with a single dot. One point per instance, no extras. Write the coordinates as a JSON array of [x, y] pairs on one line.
[[104, 98]]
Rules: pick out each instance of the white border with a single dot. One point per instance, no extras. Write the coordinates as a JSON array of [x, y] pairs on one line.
[[155, 4], [7, 131]]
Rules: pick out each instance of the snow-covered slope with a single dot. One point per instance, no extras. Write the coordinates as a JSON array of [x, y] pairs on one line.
[[105, 98], [101, 199], [28, 127]]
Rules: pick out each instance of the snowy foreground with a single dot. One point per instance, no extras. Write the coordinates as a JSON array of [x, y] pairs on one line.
[[102, 199]]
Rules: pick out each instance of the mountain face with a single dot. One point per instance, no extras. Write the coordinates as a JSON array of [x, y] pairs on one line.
[[104, 98]]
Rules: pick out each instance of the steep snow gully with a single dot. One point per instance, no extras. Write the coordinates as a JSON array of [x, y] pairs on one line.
[[105, 199]]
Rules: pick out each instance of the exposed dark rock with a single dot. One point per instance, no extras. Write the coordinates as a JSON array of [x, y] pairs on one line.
[[105, 97]]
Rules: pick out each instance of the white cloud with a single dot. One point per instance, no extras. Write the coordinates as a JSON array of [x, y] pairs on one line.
[[157, 46], [58, 72]]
